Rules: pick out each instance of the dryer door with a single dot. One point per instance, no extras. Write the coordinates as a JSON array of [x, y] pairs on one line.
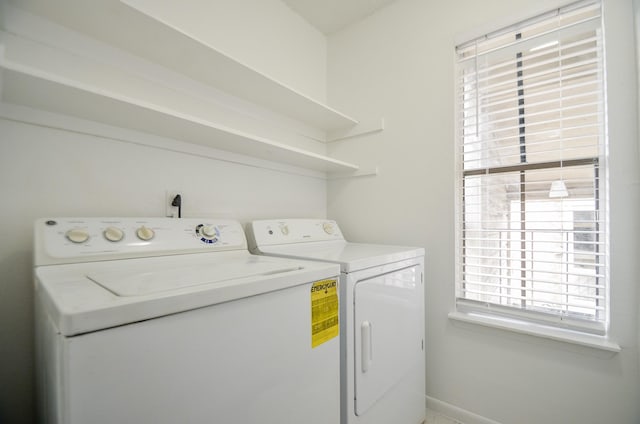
[[388, 332]]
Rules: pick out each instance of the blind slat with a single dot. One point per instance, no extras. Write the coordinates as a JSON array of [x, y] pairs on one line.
[[549, 303], [482, 75], [542, 53], [528, 117], [524, 280], [478, 289], [467, 89], [528, 43], [471, 145], [549, 95]]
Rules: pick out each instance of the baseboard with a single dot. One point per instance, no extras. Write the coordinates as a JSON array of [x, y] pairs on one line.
[[457, 413]]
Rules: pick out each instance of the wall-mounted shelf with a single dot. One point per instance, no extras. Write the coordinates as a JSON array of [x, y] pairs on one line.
[[43, 78], [120, 24]]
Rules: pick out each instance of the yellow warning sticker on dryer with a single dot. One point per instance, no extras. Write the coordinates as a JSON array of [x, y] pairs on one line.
[[324, 311]]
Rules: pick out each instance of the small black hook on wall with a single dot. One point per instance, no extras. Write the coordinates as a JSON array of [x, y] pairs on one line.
[[177, 201]]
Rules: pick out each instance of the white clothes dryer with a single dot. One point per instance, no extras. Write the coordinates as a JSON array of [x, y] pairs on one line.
[[381, 316], [174, 321]]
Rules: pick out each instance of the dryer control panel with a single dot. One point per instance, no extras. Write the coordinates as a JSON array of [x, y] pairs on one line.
[[69, 240], [274, 232]]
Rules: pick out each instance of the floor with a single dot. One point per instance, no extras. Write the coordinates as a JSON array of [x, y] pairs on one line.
[[436, 418]]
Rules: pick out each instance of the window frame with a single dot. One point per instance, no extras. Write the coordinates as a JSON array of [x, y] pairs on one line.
[[524, 315]]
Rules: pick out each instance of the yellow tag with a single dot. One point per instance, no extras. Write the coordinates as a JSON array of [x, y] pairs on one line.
[[324, 311]]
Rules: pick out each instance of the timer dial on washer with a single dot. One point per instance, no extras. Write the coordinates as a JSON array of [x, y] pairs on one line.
[[284, 229], [77, 235], [145, 233], [207, 233], [113, 234]]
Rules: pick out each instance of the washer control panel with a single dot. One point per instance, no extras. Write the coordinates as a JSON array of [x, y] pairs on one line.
[[76, 238], [272, 232]]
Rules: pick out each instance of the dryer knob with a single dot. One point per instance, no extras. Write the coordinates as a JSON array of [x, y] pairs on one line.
[[77, 235], [145, 233], [113, 234], [328, 227], [284, 229]]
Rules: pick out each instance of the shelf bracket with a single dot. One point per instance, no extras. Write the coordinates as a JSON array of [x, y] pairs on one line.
[[366, 172], [357, 131]]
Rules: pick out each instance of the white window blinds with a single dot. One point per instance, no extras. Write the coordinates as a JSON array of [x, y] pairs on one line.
[[532, 239]]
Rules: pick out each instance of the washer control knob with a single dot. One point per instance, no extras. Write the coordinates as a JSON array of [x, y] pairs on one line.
[[77, 235], [113, 234], [145, 233], [284, 229], [208, 231], [328, 227]]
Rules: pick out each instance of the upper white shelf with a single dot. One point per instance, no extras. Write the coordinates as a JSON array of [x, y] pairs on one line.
[[41, 77], [120, 24]]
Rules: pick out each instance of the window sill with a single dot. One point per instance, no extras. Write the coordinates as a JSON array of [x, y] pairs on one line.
[[523, 327]]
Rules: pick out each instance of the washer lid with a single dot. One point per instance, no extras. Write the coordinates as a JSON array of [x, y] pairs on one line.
[[85, 297], [146, 282], [350, 256]]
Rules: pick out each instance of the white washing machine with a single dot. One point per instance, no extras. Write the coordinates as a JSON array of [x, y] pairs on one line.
[[381, 316], [174, 321]]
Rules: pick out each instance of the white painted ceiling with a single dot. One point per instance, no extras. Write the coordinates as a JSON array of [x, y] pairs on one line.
[[332, 15]]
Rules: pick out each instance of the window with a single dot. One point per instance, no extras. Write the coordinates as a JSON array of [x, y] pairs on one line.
[[532, 192]]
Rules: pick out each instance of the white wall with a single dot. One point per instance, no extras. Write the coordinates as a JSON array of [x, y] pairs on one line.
[[87, 169], [399, 63]]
